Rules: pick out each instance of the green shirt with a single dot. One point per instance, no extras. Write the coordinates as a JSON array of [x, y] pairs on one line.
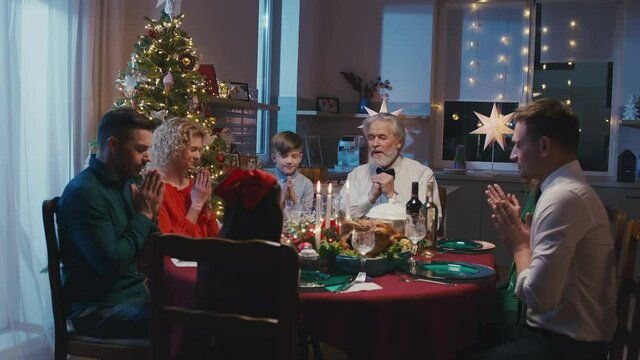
[[100, 233]]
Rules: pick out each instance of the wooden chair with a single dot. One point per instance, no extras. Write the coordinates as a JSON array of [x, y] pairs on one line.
[[442, 193], [67, 342], [626, 340], [280, 264], [618, 217]]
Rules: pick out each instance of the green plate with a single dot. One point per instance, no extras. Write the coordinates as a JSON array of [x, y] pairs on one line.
[[449, 270], [315, 279], [459, 244]]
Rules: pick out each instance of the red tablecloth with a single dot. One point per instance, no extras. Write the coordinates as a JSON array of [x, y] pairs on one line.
[[402, 320]]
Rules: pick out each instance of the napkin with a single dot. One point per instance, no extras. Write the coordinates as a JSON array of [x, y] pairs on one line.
[[180, 263], [367, 286]]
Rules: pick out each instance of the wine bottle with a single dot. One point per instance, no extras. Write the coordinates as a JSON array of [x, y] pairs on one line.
[[414, 205], [430, 211]]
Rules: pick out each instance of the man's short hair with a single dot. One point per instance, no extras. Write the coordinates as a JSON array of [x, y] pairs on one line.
[[396, 126], [119, 123], [286, 141], [551, 118]]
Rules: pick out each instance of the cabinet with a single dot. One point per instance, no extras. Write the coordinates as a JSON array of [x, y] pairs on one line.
[[241, 117], [469, 215]]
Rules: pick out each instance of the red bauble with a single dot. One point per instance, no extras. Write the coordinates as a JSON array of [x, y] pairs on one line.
[[220, 158], [152, 34]]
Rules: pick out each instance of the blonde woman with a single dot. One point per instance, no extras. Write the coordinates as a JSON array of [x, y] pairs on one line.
[[186, 208]]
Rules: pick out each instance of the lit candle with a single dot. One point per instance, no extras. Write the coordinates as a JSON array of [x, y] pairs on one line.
[[347, 200], [318, 214], [329, 205]]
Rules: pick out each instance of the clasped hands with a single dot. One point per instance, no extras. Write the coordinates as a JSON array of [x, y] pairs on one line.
[[289, 193], [506, 218], [148, 196], [381, 184]]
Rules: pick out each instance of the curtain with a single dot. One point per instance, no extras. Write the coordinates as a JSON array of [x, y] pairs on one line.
[[57, 65]]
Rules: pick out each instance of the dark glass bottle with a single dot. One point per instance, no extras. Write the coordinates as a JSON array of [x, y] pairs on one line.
[[414, 205]]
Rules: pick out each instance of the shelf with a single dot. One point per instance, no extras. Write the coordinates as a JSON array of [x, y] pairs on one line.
[[351, 115], [243, 104], [631, 123]]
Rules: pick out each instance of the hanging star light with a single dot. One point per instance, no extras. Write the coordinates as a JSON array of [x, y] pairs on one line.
[[129, 83], [494, 127], [160, 115]]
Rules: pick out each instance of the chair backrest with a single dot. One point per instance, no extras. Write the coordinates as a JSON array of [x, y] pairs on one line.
[[618, 218], [65, 343], [53, 268], [442, 193], [280, 264], [627, 335]]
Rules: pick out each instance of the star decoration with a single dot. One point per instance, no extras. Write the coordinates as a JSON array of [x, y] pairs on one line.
[[160, 115], [383, 109], [494, 127], [171, 7], [129, 83]]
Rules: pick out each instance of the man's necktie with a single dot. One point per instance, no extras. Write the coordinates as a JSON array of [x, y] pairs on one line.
[[391, 172]]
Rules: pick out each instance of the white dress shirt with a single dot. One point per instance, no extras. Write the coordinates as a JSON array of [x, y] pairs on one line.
[[407, 171], [569, 287]]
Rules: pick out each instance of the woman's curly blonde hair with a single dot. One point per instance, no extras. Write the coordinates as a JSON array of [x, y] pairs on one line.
[[171, 138]]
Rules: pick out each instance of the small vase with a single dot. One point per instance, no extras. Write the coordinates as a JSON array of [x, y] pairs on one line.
[[364, 102]]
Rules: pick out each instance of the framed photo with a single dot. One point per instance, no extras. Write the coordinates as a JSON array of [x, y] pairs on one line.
[[232, 160], [239, 91], [328, 104], [313, 151]]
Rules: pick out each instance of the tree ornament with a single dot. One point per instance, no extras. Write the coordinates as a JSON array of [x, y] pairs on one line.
[[187, 61], [631, 109], [167, 81], [171, 7], [152, 34], [160, 115]]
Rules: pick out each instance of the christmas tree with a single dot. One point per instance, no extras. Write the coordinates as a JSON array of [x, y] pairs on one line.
[[161, 81], [631, 111]]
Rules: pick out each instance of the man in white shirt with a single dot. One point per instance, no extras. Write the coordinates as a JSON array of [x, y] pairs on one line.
[[388, 174], [564, 253]]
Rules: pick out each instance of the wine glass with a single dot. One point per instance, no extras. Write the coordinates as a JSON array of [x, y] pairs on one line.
[[414, 229], [363, 242]]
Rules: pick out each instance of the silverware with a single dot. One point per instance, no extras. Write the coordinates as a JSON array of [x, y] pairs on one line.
[[360, 278], [412, 279]]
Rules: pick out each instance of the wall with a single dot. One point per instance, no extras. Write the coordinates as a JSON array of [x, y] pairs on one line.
[[226, 32], [373, 38]]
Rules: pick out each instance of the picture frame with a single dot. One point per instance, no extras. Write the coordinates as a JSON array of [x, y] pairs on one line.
[[313, 151], [239, 91], [232, 160], [328, 104]]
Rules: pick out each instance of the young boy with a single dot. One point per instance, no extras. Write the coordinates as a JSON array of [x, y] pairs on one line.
[[297, 190]]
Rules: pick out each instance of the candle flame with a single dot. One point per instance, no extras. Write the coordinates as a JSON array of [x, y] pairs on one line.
[[318, 187], [329, 188]]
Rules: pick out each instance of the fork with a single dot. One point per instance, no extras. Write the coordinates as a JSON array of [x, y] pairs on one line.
[[360, 278]]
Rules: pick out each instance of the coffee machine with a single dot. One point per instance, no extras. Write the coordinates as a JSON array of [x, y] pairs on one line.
[[351, 151]]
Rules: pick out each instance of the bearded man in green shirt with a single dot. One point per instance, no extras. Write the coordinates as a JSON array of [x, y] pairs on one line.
[[104, 218]]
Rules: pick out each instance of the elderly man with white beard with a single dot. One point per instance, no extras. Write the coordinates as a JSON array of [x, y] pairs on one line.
[[388, 175]]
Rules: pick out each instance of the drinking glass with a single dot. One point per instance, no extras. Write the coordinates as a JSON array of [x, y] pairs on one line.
[[363, 242], [415, 230]]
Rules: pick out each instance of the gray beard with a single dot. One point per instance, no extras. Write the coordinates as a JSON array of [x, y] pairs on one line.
[[384, 162]]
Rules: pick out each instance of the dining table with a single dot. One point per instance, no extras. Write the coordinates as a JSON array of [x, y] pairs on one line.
[[402, 319]]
